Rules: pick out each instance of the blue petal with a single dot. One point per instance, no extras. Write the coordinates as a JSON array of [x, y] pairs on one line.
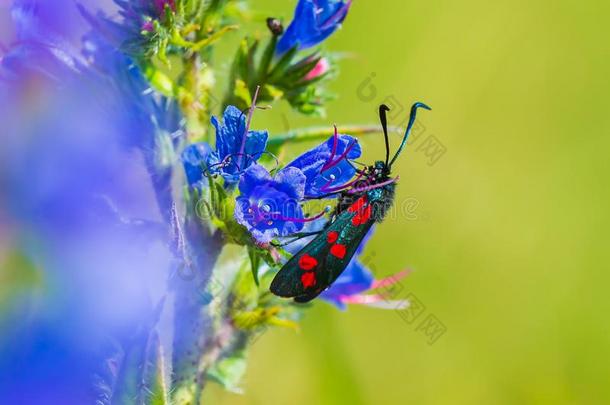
[[313, 22], [194, 159], [269, 207], [256, 142], [292, 181], [254, 176], [230, 132], [229, 139], [312, 162]]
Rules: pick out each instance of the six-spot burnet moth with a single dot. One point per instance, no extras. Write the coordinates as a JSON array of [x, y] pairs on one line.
[[361, 203]]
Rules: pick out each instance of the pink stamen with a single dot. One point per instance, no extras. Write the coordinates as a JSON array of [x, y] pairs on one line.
[[333, 153], [374, 186], [330, 164], [374, 300], [390, 280]]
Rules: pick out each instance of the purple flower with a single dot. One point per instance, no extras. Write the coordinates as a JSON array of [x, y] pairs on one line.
[[160, 4], [326, 166], [269, 206], [314, 21], [235, 150]]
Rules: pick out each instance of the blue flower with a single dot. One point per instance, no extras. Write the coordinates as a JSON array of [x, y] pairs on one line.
[[269, 206], [235, 151], [326, 166], [194, 160], [314, 21]]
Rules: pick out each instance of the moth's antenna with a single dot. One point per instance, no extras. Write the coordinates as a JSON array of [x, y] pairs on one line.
[[409, 127], [384, 124]]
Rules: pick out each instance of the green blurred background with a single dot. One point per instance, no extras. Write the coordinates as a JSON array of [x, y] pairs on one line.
[[509, 244]]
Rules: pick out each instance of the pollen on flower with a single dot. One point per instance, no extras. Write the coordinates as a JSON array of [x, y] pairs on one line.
[[338, 251], [308, 279], [307, 262]]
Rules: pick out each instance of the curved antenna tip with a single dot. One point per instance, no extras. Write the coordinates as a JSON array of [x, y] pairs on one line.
[[421, 105]]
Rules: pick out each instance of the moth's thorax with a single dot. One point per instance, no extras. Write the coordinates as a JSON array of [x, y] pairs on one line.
[[381, 199]]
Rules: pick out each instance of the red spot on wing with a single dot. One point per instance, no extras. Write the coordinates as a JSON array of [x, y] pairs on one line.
[[362, 216], [332, 237], [338, 251], [308, 279], [307, 262], [357, 206]]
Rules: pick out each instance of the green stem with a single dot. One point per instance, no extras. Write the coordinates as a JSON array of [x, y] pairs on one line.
[[322, 133]]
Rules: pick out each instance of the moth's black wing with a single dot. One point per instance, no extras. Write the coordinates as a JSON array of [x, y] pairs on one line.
[[315, 267]]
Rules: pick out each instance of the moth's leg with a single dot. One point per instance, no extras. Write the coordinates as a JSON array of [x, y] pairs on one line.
[[296, 236]]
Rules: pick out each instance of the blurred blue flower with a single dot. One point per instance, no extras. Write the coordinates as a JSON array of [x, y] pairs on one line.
[[85, 163], [132, 27], [195, 160], [313, 22], [41, 47], [326, 167], [235, 150], [270, 206]]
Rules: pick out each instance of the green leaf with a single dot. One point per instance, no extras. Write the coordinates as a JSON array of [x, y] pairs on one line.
[[263, 69], [298, 72], [255, 262], [160, 81], [154, 378], [242, 93], [272, 93], [280, 68]]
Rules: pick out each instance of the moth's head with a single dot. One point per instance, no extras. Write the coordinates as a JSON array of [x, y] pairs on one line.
[[379, 170]]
